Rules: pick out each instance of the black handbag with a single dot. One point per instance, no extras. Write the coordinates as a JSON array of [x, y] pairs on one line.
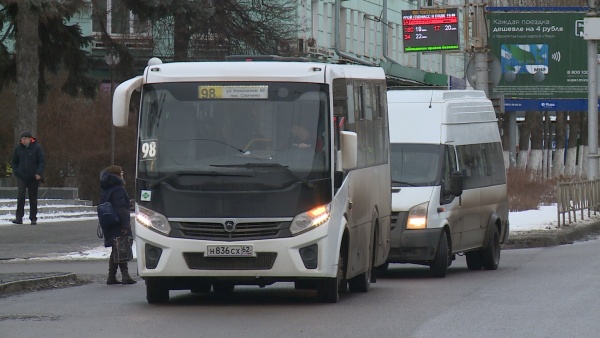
[[122, 249]]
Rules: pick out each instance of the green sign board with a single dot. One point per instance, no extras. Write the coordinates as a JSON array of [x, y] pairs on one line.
[[542, 54]]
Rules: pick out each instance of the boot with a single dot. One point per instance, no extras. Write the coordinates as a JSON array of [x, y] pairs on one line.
[[125, 274], [112, 272]]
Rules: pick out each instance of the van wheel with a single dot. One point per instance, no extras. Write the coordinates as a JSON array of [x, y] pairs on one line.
[[157, 291], [474, 261], [491, 255], [439, 266]]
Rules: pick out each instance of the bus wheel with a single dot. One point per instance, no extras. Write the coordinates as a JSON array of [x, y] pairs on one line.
[[491, 255], [328, 289], [439, 266], [362, 282], [157, 291]]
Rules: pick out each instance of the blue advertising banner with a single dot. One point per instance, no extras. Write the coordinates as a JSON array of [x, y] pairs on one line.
[[545, 105]]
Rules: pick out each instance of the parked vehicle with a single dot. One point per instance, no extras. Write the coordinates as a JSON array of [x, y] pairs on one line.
[[449, 193]]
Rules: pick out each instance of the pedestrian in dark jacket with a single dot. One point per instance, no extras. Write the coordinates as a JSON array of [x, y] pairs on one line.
[[113, 190], [28, 164]]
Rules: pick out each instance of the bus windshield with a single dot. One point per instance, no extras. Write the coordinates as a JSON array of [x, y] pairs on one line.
[[271, 133], [415, 164]]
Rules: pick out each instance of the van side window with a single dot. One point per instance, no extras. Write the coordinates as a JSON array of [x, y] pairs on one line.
[[496, 163], [481, 165], [448, 168]]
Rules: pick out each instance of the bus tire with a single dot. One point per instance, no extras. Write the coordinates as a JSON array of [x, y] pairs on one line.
[[157, 292], [361, 282], [328, 289]]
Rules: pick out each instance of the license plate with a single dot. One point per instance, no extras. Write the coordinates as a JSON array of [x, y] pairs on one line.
[[229, 251]]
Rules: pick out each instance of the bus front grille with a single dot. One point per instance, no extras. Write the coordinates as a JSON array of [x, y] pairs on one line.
[[262, 261], [243, 231]]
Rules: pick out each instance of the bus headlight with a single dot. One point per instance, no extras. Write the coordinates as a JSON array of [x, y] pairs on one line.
[[152, 220], [417, 217], [310, 219]]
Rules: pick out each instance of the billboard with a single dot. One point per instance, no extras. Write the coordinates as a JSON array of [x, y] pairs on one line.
[[430, 30], [542, 54]]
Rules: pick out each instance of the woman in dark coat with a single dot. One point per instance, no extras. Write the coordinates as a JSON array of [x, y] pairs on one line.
[[113, 190]]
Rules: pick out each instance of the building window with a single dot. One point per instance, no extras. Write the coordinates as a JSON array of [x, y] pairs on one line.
[[113, 16]]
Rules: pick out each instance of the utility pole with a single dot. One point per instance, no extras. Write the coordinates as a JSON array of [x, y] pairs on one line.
[[480, 48], [591, 31]]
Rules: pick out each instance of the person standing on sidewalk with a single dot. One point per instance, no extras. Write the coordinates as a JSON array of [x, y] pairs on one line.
[[28, 164], [113, 190]]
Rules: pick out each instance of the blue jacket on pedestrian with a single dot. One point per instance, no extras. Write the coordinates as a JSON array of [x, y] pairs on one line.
[[114, 186], [28, 161]]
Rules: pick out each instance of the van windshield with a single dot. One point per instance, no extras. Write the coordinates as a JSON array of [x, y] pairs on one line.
[[415, 164]]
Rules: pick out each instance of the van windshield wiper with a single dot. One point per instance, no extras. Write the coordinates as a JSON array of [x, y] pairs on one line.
[[192, 173], [402, 182], [267, 165]]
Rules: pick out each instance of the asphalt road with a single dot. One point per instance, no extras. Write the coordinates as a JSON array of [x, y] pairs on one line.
[[537, 292]]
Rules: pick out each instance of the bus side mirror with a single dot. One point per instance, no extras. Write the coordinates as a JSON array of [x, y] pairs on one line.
[[121, 98], [456, 183], [349, 144]]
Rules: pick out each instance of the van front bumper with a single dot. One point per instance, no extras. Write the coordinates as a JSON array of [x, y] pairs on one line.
[[413, 246]]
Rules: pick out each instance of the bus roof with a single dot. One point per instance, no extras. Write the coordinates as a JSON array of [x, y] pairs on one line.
[[312, 72]]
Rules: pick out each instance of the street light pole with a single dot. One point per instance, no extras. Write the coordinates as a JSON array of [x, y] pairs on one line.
[[111, 60]]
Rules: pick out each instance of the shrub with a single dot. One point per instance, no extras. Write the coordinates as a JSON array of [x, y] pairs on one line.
[[527, 192]]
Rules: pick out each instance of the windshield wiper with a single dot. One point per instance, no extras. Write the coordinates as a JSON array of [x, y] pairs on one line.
[[192, 173], [267, 165], [402, 182]]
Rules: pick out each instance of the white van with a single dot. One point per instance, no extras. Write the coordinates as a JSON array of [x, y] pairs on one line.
[[449, 193]]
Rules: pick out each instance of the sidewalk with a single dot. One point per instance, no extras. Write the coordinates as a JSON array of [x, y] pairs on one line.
[[15, 283]]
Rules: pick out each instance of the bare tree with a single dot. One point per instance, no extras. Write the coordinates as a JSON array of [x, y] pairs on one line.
[[558, 161], [574, 129], [214, 29], [28, 70]]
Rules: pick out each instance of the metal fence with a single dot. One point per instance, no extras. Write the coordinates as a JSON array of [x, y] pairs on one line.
[[573, 197]]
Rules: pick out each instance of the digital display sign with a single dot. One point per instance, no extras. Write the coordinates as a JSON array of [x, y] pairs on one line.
[[430, 30]]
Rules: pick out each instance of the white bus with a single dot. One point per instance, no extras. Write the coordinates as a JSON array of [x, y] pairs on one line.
[[251, 173]]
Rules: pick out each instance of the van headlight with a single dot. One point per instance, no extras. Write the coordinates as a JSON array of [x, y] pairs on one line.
[[417, 217], [152, 220], [310, 219]]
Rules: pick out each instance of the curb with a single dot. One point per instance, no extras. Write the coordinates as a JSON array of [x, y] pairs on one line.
[[566, 234], [11, 284]]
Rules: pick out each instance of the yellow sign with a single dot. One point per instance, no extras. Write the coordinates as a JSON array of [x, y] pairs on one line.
[[233, 92], [210, 92]]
